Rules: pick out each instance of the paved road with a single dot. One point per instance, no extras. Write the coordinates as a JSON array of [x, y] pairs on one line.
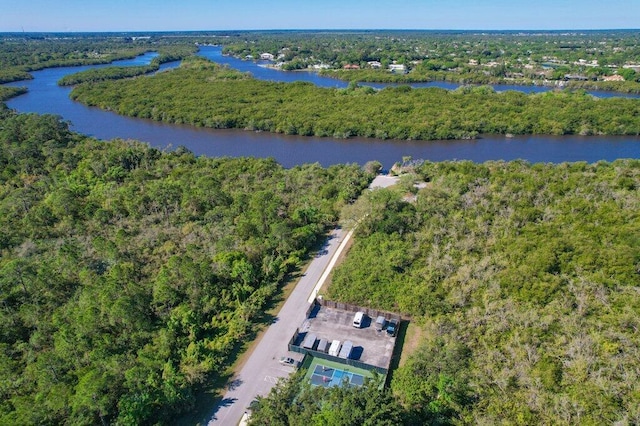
[[263, 368], [383, 181]]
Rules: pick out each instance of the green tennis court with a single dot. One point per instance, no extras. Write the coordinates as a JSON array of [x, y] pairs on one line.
[[326, 373]]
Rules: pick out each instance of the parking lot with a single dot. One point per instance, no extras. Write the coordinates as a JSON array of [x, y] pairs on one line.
[[369, 345]]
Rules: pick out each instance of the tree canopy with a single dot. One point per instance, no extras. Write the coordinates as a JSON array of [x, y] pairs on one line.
[[294, 402], [129, 276], [205, 94], [524, 281]]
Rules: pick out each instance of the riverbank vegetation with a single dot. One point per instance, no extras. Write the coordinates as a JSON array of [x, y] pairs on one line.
[[175, 53], [22, 53], [205, 94], [525, 280], [7, 92], [130, 276], [109, 73]]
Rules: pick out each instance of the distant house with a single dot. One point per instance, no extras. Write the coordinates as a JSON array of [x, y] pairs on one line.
[[397, 68], [351, 67], [266, 56], [576, 77], [374, 64], [615, 77], [585, 63]]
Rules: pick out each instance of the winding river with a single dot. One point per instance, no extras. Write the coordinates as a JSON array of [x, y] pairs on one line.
[[45, 96]]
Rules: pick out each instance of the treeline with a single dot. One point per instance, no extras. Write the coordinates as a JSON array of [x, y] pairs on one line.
[[421, 75], [609, 86], [524, 281], [10, 75], [175, 53], [205, 94], [129, 277], [8, 92], [21, 55], [295, 403], [109, 73]]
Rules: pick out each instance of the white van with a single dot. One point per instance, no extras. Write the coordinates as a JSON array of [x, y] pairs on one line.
[[357, 319], [334, 350], [381, 321]]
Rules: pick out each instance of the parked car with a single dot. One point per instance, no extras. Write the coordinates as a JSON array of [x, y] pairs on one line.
[[285, 360], [392, 327], [358, 319], [381, 321]]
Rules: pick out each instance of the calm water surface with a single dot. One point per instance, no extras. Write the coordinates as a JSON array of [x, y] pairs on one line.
[[45, 96]]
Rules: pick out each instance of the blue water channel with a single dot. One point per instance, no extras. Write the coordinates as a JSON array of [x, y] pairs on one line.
[[46, 97]]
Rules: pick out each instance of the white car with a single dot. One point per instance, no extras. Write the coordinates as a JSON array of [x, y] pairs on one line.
[[285, 360]]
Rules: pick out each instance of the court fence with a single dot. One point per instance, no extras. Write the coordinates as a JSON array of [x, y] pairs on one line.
[[370, 312]]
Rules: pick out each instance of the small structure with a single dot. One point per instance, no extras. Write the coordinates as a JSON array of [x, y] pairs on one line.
[[345, 351], [334, 350], [374, 64], [309, 341], [577, 77], [323, 345], [615, 77], [351, 67], [266, 56], [400, 68]]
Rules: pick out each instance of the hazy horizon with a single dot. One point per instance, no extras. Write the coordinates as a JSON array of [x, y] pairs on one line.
[[255, 15], [336, 30]]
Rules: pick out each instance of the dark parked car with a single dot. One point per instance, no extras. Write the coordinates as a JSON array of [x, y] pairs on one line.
[[392, 327]]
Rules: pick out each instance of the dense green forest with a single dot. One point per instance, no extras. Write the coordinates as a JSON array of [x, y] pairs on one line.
[[202, 93], [295, 403], [174, 53], [7, 92], [109, 73], [524, 280], [21, 53], [130, 276]]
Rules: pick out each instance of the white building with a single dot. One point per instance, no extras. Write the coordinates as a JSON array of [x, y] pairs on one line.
[[397, 68]]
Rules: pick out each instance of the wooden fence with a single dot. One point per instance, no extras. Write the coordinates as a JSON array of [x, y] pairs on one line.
[[371, 313]]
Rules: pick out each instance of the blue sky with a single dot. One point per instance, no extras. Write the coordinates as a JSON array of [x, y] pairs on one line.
[[165, 15]]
